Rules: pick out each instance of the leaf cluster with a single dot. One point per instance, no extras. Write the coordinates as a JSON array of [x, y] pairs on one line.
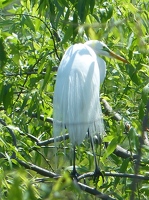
[[33, 37]]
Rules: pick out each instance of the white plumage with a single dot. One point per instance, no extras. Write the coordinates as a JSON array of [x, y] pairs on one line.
[[76, 97]]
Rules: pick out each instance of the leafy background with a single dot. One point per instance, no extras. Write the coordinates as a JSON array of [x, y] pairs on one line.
[[33, 37]]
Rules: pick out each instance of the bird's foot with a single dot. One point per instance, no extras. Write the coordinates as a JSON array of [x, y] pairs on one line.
[[97, 174], [74, 174]]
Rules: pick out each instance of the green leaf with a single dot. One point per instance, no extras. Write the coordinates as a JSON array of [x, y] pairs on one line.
[[145, 94], [68, 34], [4, 3], [141, 110], [132, 72], [92, 4], [75, 21], [124, 166], [83, 7], [47, 77], [8, 97], [111, 147], [2, 54], [15, 192], [28, 22]]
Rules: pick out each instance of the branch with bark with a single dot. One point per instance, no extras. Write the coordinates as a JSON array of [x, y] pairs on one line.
[[119, 151]]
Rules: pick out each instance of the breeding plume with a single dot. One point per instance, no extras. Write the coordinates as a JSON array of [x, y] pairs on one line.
[[76, 102]]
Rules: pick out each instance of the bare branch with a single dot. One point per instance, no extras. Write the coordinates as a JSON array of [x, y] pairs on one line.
[[94, 192], [41, 117], [110, 111], [49, 174], [37, 169], [123, 175], [123, 153], [120, 175], [119, 151], [114, 114], [51, 140], [83, 187]]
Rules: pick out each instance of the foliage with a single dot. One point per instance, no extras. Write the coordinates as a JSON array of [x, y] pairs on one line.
[[33, 37]]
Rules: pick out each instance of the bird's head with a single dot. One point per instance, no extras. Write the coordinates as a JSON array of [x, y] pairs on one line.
[[101, 49]]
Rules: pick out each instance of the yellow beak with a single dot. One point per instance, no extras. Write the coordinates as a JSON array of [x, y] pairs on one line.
[[114, 55]]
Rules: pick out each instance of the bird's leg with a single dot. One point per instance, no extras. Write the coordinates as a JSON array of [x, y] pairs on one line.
[[97, 171], [74, 173]]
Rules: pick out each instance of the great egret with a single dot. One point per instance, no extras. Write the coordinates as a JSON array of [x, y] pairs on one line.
[[76, 102]]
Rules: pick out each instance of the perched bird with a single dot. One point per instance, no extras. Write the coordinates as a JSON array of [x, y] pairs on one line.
[[76, 101]]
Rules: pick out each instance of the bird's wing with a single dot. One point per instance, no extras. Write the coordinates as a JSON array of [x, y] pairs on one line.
[[76, 96]]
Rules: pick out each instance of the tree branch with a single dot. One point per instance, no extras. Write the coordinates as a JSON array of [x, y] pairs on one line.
[[123, 153], [114, 114], [120, 175], [49, 174], [37, 169], [83, 187], [119, 151], [46, 25], [94, 192]]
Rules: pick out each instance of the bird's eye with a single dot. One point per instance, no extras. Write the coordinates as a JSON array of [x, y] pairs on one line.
[[105, 48]]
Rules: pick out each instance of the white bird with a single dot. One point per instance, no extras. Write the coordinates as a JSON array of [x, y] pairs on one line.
[[76, 101]]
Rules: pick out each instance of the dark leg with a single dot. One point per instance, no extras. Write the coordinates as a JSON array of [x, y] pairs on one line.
[[74, 173], [97, 171]]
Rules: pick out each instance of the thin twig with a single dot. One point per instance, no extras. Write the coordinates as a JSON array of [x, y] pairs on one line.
[[27, 79], [120, 175], [46, 25], [38, 169]]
